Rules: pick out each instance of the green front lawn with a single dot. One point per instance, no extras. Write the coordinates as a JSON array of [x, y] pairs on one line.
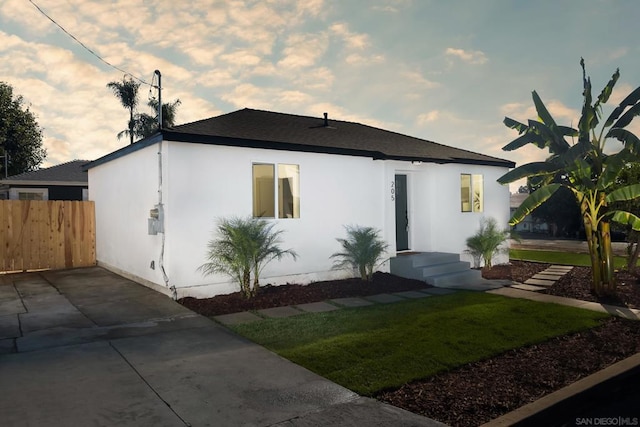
[[554, 257], [383, 346]]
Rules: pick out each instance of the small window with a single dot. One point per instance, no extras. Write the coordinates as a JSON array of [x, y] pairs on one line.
[[30, 196], [471, 193], [266, 196], [263, 191]]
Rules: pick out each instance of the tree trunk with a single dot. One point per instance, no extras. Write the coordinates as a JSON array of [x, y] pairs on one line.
[[592, 242], [246, 283], [606, 257], [633, 251]]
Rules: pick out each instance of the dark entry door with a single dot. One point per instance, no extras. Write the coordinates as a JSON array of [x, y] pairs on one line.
[[402, 214]]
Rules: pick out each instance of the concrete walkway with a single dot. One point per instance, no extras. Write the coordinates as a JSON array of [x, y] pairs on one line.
[[87, 347]]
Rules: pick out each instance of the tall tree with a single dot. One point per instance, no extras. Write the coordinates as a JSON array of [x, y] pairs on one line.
[[588, 171], [20, 135], [127, 93], [147, 125]]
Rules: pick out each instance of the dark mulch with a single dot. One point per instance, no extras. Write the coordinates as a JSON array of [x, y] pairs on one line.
[[276, 296], [484, 390], [575, 284], [481, 391]]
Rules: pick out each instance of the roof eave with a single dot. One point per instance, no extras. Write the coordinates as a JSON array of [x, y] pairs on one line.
[[41, 183], [139, 145]]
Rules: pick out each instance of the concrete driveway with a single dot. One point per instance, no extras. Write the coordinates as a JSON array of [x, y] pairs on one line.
[[86, 347]]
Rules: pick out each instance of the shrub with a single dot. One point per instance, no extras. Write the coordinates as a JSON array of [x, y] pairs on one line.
[[242, 248], [361, 250], [486, 242]]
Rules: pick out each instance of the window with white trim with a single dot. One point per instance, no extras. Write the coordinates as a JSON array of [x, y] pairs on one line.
[[471, 193], [29, 194], [276, 190]]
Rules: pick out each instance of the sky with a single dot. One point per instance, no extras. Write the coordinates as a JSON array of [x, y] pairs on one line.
[[445, 71]]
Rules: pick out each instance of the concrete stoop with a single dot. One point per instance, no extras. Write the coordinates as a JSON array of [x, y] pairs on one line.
[[440, 269]]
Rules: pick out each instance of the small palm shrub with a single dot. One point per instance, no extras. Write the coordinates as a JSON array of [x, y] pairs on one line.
[[486, 242], [361, 250], [242, 248]]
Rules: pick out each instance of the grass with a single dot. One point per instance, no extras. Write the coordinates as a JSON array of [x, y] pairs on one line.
[[554, 257], [373, 348]]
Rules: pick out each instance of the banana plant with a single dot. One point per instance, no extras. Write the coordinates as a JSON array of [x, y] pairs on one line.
[[586, 169]]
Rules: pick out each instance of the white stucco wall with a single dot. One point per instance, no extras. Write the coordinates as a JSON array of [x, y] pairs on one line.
[[202, 183], [436, 222], [124, 191], [206, 183]]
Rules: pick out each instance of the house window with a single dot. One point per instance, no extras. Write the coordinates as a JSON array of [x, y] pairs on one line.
[[276, 189], [471, 193], [29, 194]]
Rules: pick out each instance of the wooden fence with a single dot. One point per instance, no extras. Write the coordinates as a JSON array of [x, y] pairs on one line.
[[53, 234]]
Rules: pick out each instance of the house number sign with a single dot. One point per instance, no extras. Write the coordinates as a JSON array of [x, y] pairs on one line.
[[393, 191]]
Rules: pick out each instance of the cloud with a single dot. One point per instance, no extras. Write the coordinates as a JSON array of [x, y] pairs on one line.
[[430, 116], [351, 40], [475, 57], [358, 59], [303, 50]]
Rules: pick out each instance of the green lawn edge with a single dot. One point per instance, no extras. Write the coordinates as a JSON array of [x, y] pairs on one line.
[[370, 349], [555, 257]]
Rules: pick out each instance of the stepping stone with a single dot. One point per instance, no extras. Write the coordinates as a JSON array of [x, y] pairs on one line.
[[237, 318], [539, 282], [547, 276], [438, 291], [526, 287], [352, 302], [316, 307], [564, 268], [412, 294], [384, 298], [279, 312]]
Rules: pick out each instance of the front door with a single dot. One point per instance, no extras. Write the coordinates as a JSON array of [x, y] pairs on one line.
[[402, 214]]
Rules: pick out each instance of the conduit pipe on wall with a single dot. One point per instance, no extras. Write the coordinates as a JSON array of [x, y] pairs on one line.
[[163, 229]]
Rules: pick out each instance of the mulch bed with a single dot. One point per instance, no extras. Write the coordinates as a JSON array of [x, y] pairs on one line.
[[277, 296], [484, 390]]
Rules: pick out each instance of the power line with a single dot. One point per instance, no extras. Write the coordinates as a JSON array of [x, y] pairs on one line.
[[85, 46]]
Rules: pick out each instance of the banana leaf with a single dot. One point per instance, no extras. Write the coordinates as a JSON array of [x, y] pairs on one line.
[[628, 116], [534, 200], [626, 218], [628, 192], [630, 141], [514, 124], [528, 137], [607, 90], [527, 170], [543, 113], [631, 99]]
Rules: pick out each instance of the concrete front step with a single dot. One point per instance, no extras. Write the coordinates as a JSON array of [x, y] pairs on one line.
[[439, 269]]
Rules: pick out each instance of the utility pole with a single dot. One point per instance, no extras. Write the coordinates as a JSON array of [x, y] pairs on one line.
[[157, 73]]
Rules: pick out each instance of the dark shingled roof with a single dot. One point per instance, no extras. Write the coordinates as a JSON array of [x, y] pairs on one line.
[[70, 173], [289, 132], [266, 129]]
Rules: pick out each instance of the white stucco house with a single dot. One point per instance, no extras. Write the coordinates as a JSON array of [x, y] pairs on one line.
[[157, 201]]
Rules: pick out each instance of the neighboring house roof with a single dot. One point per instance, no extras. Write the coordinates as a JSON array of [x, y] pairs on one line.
[[70, 173], [516, 199], [279, 131]]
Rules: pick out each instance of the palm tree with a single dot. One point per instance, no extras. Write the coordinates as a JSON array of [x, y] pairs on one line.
[[127, 93], [361, 250], [586, 169], [486, 242], [147, 125], [244, 246]]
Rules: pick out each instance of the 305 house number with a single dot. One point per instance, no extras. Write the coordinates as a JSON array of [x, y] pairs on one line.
[[393, 191]]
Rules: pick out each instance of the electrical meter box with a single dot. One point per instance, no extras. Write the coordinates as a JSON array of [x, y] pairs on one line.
[[156, 220]]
